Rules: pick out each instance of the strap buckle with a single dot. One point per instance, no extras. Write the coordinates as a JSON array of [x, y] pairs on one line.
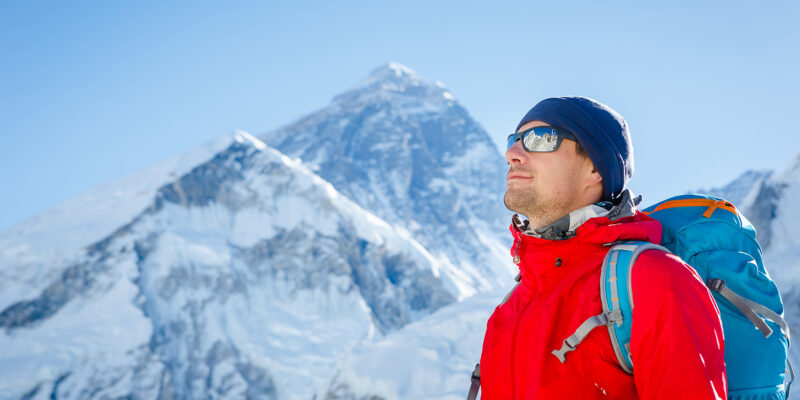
[[716, 284], [566, 347]]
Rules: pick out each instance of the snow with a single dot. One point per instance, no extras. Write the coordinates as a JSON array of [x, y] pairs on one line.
[[188, 279], [103, 328], [400, 69], [291, 338], [189, 307], [783, 255], [743, 190], [34, 251], [431, 359]]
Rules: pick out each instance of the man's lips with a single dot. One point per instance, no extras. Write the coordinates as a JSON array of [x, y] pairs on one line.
[[517, 176]]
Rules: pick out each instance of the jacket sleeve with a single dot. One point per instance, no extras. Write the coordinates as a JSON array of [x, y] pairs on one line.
[[676, 335]]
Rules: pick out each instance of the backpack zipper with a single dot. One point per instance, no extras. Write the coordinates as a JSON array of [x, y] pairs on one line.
[[710, 203]]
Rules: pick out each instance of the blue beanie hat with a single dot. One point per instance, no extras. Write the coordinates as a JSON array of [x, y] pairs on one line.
[[601, 131]]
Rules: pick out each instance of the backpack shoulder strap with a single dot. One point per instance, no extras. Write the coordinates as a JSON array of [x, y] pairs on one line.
[[616, 294], [476, 383], [617, 300]]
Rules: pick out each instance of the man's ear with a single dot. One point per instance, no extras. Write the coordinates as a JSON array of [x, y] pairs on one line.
[[596, 179], [593, 177]]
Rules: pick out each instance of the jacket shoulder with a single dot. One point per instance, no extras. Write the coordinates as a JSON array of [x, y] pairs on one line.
[[664, 268]]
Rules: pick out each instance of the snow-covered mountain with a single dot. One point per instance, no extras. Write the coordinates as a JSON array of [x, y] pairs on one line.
[[404, 149], [432, 358], [32, 253], [247, 276], [743, 190], [236, 271]]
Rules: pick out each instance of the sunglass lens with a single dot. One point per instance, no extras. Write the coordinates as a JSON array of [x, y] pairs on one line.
[[510, 141], [540, 140]]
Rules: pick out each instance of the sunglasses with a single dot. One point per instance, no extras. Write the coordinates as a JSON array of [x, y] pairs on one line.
[[542, 139]]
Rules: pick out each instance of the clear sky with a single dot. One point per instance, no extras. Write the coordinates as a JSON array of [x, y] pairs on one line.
[[90, 91]]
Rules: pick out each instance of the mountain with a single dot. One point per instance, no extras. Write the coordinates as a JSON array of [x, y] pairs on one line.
[[432, 358], [404, 149], [238, 271], [33, 252], [247, 276], [743, 190]]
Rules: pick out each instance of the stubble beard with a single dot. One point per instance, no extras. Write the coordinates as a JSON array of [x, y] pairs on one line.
[[538, 208]]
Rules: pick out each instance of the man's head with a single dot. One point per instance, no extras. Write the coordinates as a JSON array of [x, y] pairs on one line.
[[547, 185]]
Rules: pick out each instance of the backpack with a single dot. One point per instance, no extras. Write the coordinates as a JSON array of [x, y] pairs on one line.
[[710, 235]]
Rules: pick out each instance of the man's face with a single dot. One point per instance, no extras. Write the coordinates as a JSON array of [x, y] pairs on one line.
[[547, 186]]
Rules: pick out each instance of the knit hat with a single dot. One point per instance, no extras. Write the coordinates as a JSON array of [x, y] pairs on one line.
[[601, 131]]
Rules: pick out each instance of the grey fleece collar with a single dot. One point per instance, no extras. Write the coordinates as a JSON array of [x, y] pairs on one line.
[[566, 226]]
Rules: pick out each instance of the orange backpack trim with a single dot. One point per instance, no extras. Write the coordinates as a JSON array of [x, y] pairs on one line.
[[711, 204]]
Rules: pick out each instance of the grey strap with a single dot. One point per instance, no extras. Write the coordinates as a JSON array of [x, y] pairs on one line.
[[587, 326], [611, 300], [750, 309], [764, 311], [789, 376], [613, 278], [627, 247], [476, 383]]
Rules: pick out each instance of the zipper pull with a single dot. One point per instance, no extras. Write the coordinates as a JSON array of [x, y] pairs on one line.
[[716, 204], [710, 210], [516, 251]]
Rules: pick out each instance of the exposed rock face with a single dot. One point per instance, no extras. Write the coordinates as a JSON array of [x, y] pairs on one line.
[[239, 272], [236, 265], [405, 150]]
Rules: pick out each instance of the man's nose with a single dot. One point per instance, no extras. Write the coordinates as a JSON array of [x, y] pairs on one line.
[[516, 154]]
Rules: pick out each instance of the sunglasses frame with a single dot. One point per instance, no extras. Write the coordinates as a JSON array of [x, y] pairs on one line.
[[561, 134]]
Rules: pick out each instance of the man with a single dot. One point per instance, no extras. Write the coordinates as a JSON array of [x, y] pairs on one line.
[[569, 163]]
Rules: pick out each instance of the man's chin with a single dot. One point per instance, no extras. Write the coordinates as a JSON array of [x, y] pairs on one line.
[[513, 202]]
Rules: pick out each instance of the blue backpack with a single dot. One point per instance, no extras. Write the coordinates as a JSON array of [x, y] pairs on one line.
[[720, 244]]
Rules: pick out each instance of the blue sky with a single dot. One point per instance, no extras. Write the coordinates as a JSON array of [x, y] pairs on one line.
[[90, 91]]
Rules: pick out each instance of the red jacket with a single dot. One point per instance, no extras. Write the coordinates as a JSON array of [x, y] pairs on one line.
[[676, 337]]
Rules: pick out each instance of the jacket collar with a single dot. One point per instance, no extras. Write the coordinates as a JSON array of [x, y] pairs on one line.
[[545, 256], [567, 226]]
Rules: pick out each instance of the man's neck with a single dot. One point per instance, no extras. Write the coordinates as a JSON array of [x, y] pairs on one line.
[[540, 220], [565, 226]]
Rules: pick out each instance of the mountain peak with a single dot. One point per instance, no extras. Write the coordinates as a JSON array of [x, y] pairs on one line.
[[243, 137], [391, 72], [398, 84]]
